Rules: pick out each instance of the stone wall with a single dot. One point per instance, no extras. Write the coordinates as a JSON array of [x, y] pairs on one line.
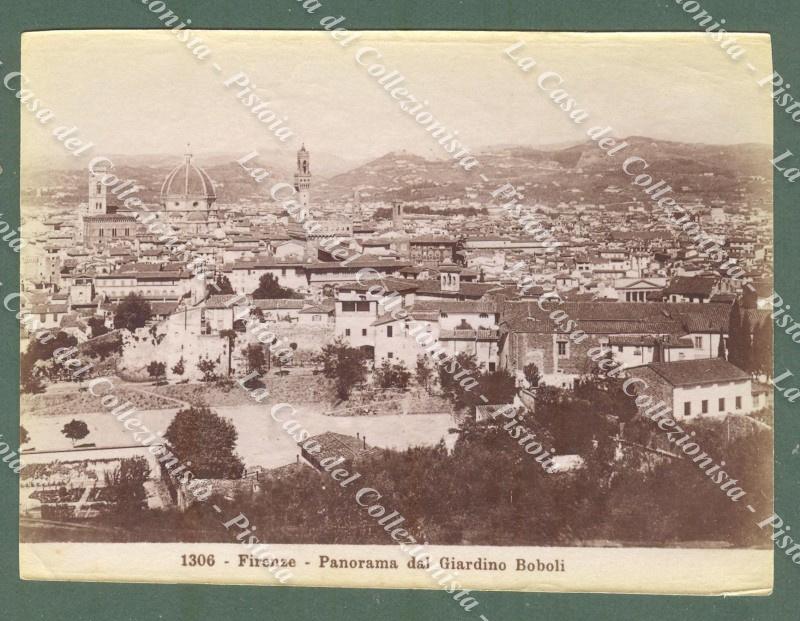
[[162, 344], [523, 348], [380, 402]]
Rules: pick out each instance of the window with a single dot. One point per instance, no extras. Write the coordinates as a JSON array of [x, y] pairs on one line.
[[444, 315], [483, 316], [347, 332], [687, 408], [721, 405], [619, 348], [363, 332], [562, 349], [698, 342], [389, 331], [316, 318], [704, 406], [362, 307], [492, 367], [390, 355], [348, 307], [738, 403]]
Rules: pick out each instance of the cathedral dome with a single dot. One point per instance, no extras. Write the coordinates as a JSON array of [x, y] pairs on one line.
[[188, 181]]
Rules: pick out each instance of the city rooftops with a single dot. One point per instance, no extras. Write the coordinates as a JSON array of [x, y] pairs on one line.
[[694, 372]]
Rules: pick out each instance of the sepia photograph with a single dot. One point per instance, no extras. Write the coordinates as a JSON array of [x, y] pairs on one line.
[[398, 309]]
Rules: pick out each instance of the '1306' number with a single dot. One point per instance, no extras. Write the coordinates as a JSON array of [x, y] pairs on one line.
[[197, 560]]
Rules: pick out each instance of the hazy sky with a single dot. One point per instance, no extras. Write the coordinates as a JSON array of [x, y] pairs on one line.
[[144, 92]]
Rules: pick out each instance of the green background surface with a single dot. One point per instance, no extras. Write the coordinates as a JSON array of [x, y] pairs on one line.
[[51, 601]]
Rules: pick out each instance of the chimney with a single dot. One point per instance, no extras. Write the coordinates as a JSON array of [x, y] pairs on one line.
[[365, 441]]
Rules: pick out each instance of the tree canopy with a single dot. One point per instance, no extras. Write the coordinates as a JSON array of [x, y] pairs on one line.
[[222, 285], [345, 365], [392, 375], [270, 289], [200, 435], [75, 430], [132, 313]]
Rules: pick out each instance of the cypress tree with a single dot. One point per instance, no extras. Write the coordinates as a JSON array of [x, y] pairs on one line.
[[736, 352], [762, 347]]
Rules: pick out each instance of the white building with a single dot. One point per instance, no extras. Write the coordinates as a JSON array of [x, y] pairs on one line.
[[693, 388]]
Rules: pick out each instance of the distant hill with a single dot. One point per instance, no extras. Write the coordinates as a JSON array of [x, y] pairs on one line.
[[703, 168], [566, 172]]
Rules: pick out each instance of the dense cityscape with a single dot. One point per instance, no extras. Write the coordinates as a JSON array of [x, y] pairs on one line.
[[191, 297]]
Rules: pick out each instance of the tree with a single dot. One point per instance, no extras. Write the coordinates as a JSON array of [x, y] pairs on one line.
[[132, 313], [222, 285], [721, 353], [424, 372], [460, 391], [156, 370], [658, 349], [256, 360], [572, 419], [270, 289], [739, 341], [102, 348], [390, 375], [280, 362], [126, 484], [532, 375], [75, 430], [603, 392], [98, 326], [762, 347], [179, 367], [31, 383], [343, 364], [497, 386], [23, 435], [208, 368], [231, 336], [43, 349], [200, 435], [749, 297]]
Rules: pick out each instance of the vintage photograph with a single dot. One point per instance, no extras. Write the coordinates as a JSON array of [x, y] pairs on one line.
[[426, 309]]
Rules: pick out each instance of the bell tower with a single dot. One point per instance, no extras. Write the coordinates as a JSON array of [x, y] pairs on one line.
[[98, 203], [398, 217], [302, 178]]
